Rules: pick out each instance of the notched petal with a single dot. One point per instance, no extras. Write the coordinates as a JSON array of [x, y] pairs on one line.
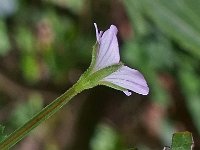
[[127, 93], [108, 53], [97, 32]]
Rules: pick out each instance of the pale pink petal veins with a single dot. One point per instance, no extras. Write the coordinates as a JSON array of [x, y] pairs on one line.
[[130, 79], [108, 52]]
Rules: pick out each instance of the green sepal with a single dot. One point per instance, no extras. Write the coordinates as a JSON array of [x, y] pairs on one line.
[[91, 79], [92, 64], [94, 56], [102, 73], [111, 85]]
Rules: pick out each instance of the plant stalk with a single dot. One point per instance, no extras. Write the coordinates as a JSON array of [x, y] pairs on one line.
[[43, 115]]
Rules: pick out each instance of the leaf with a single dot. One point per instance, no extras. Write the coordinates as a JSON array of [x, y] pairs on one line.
[[182, 141], [175, 26], [139, 23], [177, 20]]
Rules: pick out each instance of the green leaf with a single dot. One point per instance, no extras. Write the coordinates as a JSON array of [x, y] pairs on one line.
[[94, 56], [182, 141], [174, 25], [139, 23], [176, 19]]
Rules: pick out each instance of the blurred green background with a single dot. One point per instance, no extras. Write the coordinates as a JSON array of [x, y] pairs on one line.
[[45, 45]]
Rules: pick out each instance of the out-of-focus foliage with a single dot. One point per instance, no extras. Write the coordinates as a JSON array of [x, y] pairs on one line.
[[7, 7], [167, 41], [4, 42], [50, 46], [169, 21], [74, 5], [177, 19], [23, 113], [190, 83], [106, 138]]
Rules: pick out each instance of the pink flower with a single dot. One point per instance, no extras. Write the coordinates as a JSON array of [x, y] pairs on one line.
[[125, 79]]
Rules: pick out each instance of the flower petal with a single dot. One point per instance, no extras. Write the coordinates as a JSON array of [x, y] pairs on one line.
[[129, 79], [98, 35], [127, 93], [108, 50]]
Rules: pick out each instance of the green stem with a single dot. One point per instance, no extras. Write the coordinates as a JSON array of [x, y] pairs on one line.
[[45, 113], [86, 81]]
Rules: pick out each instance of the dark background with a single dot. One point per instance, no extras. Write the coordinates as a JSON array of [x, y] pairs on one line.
[[45, 45]]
